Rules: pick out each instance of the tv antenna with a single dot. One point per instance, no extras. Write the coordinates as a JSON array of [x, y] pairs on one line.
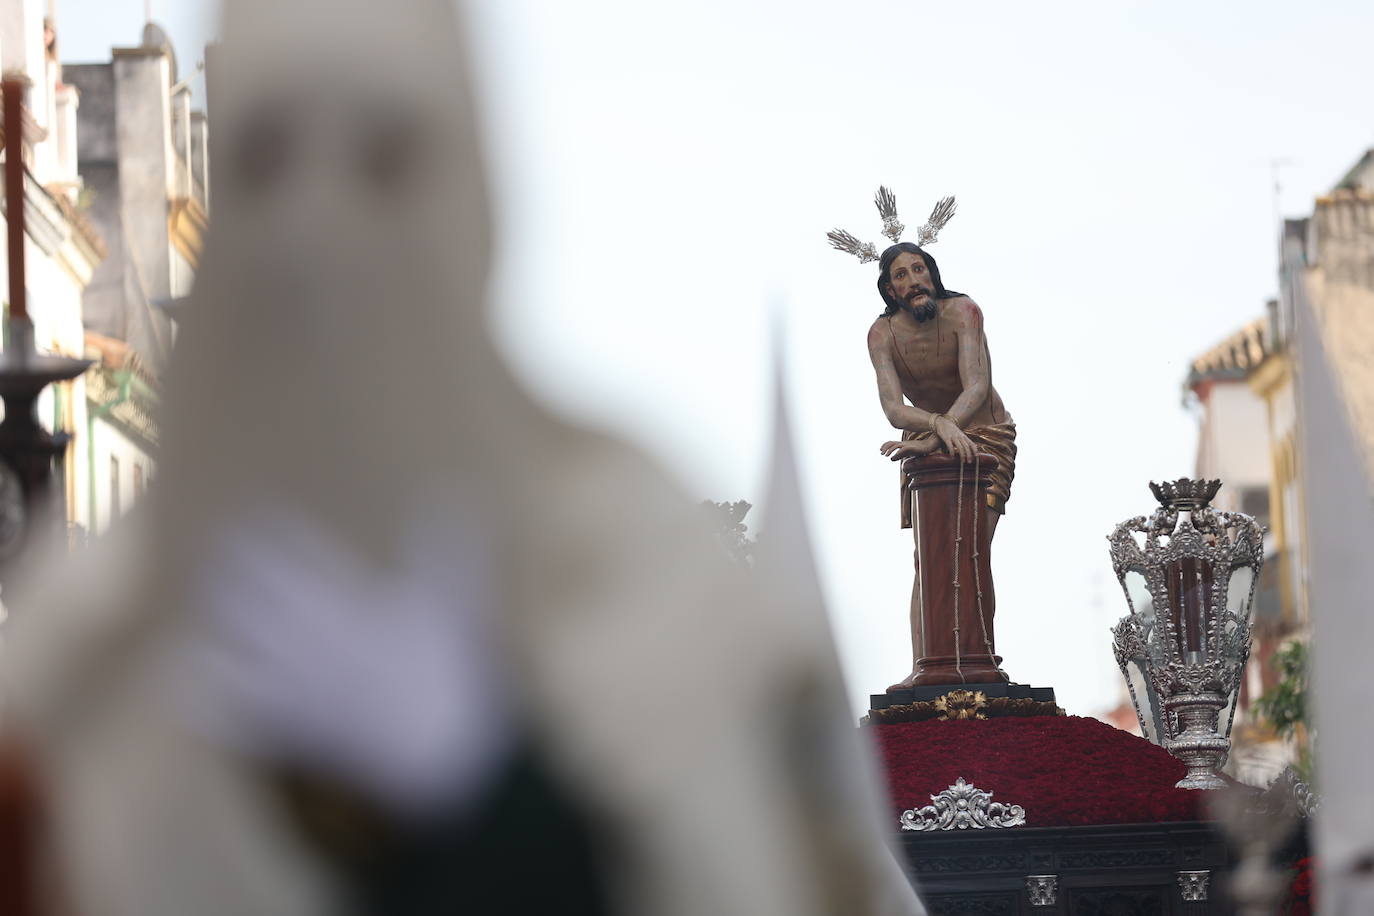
[[1274, 166]]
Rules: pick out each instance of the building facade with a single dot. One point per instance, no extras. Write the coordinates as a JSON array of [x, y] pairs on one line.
[[143, 167], [1251, 430], [116, 170], [63, 250], [1234, 446]]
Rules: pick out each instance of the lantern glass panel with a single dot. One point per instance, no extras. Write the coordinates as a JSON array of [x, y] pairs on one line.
[[1138, 596], [1238, 592], [1147, 703]]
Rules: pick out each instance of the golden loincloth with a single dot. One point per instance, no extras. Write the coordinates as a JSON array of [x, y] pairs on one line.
[[998, 440]]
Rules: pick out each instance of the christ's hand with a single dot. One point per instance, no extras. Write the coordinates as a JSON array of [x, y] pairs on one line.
[[910, 448], [956, 442]]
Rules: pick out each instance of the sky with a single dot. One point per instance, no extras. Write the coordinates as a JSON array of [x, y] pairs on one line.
[[665, 175]]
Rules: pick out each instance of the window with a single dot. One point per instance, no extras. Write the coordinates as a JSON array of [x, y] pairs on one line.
[[1254, 501]]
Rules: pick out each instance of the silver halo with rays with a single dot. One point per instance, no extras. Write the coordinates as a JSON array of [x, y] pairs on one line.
[[886, 202]]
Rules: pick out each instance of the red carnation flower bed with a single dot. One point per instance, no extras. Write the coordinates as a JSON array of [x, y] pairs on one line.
[[1064, 770], [1302, 898]]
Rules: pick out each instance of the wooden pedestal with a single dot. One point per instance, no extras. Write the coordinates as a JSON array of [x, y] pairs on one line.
[[953, 545]]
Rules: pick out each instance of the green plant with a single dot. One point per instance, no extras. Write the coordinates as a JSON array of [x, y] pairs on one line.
[[1284, 706]]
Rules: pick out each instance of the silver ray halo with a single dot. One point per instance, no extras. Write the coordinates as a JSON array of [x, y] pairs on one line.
[[886, 202]]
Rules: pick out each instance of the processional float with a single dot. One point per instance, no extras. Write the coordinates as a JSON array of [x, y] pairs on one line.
[[1031, 808]]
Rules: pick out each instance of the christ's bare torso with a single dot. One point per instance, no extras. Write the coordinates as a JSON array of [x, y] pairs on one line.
[[925, 359]]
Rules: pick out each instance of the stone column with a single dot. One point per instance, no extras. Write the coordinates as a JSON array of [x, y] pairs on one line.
[[143, 132], [949, 515]]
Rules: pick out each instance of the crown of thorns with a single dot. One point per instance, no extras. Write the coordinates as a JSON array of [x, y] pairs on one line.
[[893, 228]]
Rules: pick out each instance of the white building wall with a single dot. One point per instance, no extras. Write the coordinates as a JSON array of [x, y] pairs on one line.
[[180, 107], [109, 445], [22, 49], [78, 478], [183, 274], [55, 279], [64, 141], [59, 263], [1233, 444]]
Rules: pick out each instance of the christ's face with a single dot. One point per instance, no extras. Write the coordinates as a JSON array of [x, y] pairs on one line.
[[909, 282]]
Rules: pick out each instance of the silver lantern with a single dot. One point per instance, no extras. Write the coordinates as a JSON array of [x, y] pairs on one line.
[[1189, 574]]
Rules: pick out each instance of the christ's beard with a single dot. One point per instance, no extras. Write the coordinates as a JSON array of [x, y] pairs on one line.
[[923, 312]]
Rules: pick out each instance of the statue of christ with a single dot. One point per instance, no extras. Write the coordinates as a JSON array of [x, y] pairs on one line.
[[934, 376]]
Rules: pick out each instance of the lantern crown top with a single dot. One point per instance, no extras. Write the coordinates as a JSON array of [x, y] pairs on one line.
[[1185, 493]]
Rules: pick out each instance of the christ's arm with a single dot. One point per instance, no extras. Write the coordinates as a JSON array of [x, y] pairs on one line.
[[975, 371]]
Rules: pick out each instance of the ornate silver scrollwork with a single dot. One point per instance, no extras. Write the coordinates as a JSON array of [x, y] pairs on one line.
[[1043, 890], [1193, 884], [1308, 801], [961, 807], [1184, 648], [1304, 799]]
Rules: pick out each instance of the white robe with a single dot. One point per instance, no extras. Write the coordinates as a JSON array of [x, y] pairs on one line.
[[334, 370]]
